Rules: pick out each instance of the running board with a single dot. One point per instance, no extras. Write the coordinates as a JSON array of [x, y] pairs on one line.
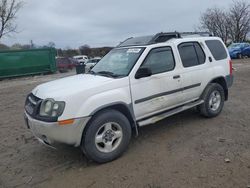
[[168, 113]]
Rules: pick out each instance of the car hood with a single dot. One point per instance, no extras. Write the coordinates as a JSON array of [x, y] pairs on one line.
[[67, 86]]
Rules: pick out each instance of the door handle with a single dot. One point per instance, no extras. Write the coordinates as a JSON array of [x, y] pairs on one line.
[[176, 76]]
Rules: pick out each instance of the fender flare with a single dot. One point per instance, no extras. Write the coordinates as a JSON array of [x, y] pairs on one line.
[[126, 109], [220, 80]]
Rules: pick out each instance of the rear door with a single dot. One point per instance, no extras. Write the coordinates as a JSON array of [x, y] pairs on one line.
[[196, 69]]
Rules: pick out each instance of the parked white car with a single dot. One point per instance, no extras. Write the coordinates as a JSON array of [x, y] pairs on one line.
[[91, 63], [140, 82], [81, 58]]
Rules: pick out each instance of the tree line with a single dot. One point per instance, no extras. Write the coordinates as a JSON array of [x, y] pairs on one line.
[[231, 24], [84, 50], [8, 15], [68, 52]]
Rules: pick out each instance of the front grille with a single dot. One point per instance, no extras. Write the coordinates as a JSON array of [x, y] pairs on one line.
[[32, 104]]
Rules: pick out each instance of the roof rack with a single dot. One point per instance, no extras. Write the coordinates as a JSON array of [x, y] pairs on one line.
[[196, 33], [163, 37], [158, 38]]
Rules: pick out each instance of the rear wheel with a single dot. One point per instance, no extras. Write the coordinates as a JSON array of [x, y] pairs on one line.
[[106, 137], [214, 98]]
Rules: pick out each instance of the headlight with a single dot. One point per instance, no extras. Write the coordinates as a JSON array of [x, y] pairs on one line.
[[51, 108]]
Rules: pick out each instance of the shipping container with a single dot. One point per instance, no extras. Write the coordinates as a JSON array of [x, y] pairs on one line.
[[27, 62]]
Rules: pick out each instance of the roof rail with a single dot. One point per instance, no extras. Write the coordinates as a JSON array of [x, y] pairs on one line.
[[196, 33], [136, 41], [158, 38], [163, 37]]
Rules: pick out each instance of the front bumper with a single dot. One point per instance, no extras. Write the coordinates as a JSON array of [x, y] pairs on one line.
[[52, 134]]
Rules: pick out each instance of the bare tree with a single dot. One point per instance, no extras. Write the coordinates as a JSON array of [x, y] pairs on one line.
[[8, 11], [232, 24], [85, 50], [239, 21], [50, 45], [4, 47], [214, 20]]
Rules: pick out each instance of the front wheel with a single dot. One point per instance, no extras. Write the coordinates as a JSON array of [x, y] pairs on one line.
[[214, 98], [106, 137]]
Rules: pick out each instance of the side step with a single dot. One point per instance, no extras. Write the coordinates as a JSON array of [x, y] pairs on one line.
[[168, 113]]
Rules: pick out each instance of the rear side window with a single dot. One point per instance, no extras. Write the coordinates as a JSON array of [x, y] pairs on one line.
[[217, 49], [191, 54], [160, 60]]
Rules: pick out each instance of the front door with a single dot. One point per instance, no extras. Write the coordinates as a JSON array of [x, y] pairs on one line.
[[161, 90]]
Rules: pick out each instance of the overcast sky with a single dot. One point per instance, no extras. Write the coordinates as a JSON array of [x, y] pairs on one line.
[[71, 23]]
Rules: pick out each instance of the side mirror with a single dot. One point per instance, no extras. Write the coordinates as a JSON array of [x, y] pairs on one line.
[[143, 72]]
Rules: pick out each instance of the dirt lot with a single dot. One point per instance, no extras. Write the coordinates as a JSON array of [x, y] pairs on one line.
[[185, 150]]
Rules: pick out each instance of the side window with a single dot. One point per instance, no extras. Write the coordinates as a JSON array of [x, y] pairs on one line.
[[191, 54], [217, 49], [160, 60]]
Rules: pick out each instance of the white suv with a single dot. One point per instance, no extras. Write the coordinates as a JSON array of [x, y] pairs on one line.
[[140, 82]]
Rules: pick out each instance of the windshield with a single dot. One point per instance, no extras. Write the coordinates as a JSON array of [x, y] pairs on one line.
[[118, 62]]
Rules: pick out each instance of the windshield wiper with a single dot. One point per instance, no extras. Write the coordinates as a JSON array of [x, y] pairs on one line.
[[109, 74]]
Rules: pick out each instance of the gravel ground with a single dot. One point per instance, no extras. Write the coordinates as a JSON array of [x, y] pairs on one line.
[[185, 150]]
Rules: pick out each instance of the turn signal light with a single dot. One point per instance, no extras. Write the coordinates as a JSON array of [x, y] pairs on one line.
[[66, 122]]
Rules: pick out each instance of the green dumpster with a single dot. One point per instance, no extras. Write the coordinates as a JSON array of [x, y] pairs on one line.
[[27, 62]]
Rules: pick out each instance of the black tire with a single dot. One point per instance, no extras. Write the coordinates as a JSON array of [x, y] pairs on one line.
[[206, 109], [239, 56], [88, 144]]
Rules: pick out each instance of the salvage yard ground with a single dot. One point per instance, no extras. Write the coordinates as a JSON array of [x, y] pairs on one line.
[[185, 150]]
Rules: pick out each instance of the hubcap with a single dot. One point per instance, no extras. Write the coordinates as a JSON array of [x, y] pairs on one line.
[[214, 100], [108, 137]]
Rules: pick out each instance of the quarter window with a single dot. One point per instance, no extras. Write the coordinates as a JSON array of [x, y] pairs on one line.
[[217, 49], [191, 54], [160, 60]]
